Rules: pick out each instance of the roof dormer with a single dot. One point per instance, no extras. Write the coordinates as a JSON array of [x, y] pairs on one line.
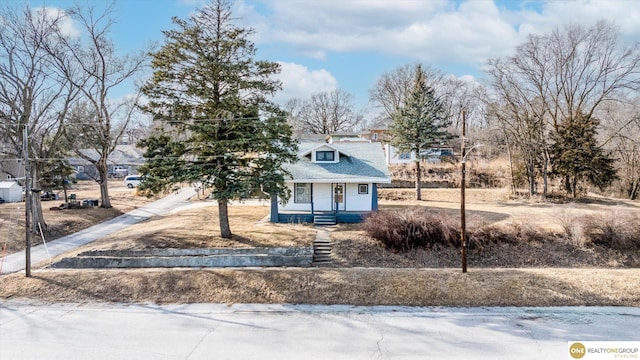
[[324, 154]]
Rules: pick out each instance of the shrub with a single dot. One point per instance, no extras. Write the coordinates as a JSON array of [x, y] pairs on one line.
[[407, 229], [488, 234], [616, 230], [411, 228]]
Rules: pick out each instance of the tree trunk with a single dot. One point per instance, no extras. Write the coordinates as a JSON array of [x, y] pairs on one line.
[[418, 181], [223, 218], [634, 188], [531, 175], [36, 204], [105, 201], [545, 173], [513, 181], [64, 189]]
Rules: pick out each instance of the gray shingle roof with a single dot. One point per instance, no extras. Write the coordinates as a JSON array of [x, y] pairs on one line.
[[366, 161], [121, 155]]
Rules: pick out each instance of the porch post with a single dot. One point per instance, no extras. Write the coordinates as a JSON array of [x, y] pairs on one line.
[[333, 199], [312, 213], [374, 197]]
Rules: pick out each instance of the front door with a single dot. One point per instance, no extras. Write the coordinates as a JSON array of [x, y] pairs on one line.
[[338, 197]]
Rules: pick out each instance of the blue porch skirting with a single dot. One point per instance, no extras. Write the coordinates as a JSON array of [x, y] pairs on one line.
[[342, 218]]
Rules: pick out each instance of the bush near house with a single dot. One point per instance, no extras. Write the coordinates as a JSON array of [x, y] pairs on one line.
[[416, 227], [412, 228], [615, 230]]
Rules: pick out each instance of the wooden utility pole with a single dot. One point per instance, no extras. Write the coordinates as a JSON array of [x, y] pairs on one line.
[[27, 202], [463, 220]]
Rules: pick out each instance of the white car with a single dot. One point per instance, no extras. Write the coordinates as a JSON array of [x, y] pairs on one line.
[[132, 181]]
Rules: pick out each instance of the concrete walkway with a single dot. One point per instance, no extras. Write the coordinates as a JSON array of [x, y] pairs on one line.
[[16, 262]]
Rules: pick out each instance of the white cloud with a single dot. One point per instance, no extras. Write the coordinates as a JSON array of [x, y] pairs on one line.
[[434, 31], [427, 30], [64, 21], [625, 14], [298, 81]]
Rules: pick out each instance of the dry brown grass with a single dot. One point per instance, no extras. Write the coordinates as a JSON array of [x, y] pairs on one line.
[[414, 287], [199, 227], [64, 222], [534, 273]]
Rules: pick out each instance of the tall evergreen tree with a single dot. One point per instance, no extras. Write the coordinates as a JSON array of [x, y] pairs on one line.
[[218, 128], [576, 156], [420, 123]]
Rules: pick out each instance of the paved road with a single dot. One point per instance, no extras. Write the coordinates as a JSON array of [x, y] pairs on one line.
[[208, 331], [16, 262]]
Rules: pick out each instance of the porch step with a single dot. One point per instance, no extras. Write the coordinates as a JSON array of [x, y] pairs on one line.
[[326, 219], [321, 251]]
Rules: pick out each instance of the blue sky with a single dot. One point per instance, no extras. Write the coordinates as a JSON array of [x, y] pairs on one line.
[[348, 44]]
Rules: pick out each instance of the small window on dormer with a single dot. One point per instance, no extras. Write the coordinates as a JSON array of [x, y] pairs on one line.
[[325, 156]]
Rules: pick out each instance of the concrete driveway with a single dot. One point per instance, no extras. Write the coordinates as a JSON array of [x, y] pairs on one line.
[[16, 262], [218, 331]]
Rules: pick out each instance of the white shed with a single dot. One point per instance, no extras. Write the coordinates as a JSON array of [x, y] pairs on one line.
[[10, 191]]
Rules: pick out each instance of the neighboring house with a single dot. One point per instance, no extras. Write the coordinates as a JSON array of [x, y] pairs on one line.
[[11, 166], [380, 134], [10, 191], [431, 155], [343, 136], [11, 169], [333, 183], [435, 155], [124, 160], [394, 157]]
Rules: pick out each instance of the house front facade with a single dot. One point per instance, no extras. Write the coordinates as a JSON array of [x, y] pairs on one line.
[[333, 183]]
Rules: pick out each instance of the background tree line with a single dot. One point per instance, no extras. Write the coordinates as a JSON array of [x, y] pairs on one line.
[[564, 106]]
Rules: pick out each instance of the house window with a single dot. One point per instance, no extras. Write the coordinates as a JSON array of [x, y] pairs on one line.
[[325, 156], [80, 168], [374, 136], [363, 188], [405, 156], [302, 193]]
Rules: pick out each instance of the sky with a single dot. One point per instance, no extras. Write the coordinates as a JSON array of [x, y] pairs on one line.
[[323, 45]]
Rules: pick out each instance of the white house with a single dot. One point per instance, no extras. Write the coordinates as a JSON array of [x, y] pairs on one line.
[[333, 182], [10, 191], [393, 156]]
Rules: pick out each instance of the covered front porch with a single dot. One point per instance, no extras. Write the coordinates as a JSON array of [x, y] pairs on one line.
[[327, 203]]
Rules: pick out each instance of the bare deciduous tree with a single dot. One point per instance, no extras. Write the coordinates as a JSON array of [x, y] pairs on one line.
[[294, 107], [622, 137], [326, 113], [520, 117], [102, 70], [392, 88], [34, 95], [562, 77]]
